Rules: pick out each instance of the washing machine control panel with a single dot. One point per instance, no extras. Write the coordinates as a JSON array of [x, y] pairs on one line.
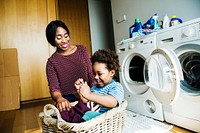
[[178, 34], [145, 42], [189, 32], [131, 46], [125, 47]]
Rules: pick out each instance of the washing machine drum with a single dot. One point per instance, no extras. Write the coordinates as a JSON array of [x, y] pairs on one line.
[[190, 63]]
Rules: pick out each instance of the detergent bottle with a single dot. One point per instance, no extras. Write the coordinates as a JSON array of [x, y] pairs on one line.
[[175, 21], [135, 29], [166, 22], [152, 23], [155, 22]]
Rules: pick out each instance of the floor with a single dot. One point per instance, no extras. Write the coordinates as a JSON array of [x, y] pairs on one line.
[[26, 119]]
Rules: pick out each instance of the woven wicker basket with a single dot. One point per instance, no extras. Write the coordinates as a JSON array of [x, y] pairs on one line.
[[111, 121]]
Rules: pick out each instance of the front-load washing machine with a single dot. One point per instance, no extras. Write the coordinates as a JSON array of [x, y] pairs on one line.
[[173, 71], [132, 55]]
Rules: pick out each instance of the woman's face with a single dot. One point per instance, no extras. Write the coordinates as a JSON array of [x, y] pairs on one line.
[[102, 75], [62, 39]]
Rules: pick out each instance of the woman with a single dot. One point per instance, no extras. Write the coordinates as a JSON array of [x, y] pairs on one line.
[[66, 65]]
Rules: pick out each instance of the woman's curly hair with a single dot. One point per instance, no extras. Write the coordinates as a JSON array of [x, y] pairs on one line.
[[107, 56]]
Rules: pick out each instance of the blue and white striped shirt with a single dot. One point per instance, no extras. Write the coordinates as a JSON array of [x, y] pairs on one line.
[[113, 88]]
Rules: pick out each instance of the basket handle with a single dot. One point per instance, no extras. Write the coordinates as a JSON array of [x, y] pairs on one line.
[[50, 110]]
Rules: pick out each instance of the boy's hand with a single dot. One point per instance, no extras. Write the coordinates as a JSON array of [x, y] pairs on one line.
[[79, 82], [85, 90]]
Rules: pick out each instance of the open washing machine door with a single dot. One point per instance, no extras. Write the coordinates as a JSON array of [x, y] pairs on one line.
[[163, 73], [132, 74]]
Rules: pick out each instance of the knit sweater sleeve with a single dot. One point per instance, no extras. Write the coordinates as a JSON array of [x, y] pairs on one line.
[[52, 77]]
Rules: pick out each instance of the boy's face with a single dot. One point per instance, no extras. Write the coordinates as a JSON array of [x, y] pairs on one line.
[[102, 75]]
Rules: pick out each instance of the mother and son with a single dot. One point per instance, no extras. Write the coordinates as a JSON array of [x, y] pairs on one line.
[[75, 76]]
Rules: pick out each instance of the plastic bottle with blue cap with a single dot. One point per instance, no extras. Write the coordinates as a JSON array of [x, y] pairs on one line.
[[175, 21]]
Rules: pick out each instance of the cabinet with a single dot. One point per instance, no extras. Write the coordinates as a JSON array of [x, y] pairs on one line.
[[9, 80], [76, 17], [22, 24]]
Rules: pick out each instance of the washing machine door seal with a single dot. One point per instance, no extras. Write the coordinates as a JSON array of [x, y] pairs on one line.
[[163, 73], [132, 74]]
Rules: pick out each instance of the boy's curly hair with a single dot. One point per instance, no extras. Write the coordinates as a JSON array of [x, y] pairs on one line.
[[107, 56]]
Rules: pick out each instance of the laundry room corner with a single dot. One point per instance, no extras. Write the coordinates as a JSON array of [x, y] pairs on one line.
[[158, 45]]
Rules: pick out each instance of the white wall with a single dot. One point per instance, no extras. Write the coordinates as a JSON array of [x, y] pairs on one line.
[[144, 9], [101, 26]]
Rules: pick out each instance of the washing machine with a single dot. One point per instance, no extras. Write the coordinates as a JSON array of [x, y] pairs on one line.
[[132, 54], [173, 73]]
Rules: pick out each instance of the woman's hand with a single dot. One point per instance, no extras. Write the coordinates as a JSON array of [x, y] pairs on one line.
[[63, 104]]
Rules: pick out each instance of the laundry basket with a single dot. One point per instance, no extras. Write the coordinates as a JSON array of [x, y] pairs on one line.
[[111, 121]]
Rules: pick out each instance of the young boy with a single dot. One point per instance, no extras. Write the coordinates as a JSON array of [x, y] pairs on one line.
[[107, 93]]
